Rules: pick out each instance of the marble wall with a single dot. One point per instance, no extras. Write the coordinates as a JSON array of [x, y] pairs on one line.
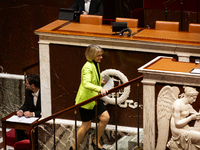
[[12, 93]]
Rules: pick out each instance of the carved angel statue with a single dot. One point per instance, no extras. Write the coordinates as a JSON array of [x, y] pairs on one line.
[[177, 113]]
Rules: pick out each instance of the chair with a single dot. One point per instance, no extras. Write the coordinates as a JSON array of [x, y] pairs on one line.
[[26, 144], [10, 137], [131, 23], [167, 25], [194, 27], [91, 19]]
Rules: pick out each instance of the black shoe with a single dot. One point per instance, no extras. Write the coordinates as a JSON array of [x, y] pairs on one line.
[[71, 148], [94, 146]]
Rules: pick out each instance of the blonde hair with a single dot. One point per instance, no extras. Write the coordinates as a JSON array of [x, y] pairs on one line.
[[92, 51]]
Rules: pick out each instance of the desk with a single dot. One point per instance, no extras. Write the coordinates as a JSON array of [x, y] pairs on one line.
[[161, 70], [183, 44], [167, 64], [91, 29], [184, 37], [15, 125]]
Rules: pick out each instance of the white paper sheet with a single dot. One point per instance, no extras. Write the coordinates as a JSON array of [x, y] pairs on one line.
[[22, 119], [110, 84], [195, 70]]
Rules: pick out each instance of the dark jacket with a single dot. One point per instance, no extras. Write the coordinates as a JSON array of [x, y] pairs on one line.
[[96, 6], [29, 105]]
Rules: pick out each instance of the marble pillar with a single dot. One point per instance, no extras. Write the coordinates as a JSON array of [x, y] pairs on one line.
[[149, 114], [45, 79]]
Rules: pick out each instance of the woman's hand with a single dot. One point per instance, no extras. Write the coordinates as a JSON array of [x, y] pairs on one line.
[[103, 81], [103, 91]]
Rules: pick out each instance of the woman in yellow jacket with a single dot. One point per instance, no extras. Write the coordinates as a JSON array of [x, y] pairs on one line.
[[91, 86]]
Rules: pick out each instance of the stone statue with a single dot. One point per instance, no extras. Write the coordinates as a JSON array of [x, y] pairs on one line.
[[175, 113]]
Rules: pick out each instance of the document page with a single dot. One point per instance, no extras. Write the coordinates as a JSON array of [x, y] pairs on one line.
[[195, 70], [110, 83], [22, 119]]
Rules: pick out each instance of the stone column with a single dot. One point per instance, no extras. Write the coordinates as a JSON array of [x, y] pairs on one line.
[[149, 114], [45, 79]]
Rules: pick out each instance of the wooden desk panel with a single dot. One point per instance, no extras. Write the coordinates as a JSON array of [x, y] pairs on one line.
[[90, 28], [53, 25], [64, 27], [168, 64], [169, 35], [67, 27], [87, 28]]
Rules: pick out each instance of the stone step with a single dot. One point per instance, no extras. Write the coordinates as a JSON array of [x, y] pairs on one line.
[[126, 143], [133, 143]]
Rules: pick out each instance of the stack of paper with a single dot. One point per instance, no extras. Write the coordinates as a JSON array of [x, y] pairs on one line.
[[22, 119]]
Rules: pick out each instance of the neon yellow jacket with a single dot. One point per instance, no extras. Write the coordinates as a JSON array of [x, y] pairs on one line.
[[90, 84]]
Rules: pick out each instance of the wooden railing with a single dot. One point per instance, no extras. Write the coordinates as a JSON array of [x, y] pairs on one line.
[[75, 107]]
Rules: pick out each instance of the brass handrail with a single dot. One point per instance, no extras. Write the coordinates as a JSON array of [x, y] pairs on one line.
[[74, 107]]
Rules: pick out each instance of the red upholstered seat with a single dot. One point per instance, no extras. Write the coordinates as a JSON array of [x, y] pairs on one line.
[[26, 143], [10, 137], [23, 145]]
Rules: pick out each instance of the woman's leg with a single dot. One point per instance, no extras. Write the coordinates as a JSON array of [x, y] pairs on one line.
[[81, 133], [103, 120]]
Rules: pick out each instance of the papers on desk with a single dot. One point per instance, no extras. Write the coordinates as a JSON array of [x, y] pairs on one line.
[[22, 119], [195, 71], [110, 84]]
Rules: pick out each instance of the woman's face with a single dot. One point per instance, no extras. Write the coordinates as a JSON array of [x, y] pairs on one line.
[[98, 57], [192, 99]]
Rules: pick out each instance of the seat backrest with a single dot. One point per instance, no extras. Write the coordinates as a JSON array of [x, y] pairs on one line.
[[91, 19], [167, 25], [131, 23], [194, 27]]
